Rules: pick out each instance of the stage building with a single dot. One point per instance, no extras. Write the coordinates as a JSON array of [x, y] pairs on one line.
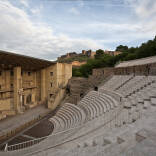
[[26, 82]]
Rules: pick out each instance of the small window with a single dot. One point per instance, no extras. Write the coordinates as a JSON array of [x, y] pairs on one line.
[[11, 85], [51, 84], [29, 73], [0, 87], [29, 99], [21, 73], [11, 73], [1, 95], [51, 73], [0, 73], [51, 95]]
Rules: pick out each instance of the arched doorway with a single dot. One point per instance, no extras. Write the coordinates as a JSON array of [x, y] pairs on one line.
[[22, 100], [29, 99], [81, 95], [96, 88]]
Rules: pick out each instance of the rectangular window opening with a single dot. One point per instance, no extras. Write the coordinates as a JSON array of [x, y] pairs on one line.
[[51, 73], [51, 95], [29, 73], [12, 73]]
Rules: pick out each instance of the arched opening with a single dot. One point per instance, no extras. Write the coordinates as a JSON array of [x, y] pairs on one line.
[[147, 69], [22, 100], [103, 72], [96, 88], [68, 90], [29, 99], [134, 70], [81, 95]]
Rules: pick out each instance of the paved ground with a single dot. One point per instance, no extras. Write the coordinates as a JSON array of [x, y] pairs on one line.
[[13, 122], [44, 128]]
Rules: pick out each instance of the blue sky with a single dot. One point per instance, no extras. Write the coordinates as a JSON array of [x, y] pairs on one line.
[[50, 28]]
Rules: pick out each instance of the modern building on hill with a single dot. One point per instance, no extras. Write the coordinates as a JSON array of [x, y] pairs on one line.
[[26, 82]]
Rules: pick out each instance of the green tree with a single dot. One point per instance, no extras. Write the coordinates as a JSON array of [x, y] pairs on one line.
[[99, 54], [104, 60], [122, 48], [76, 72]]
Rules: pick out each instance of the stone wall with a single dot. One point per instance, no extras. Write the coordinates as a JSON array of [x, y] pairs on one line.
[[102, 72], [147, 69], [152, 69], [62, 72], [78, 87], [21, 90], [17, 86], [112, 53]]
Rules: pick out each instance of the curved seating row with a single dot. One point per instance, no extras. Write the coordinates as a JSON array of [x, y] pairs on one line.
[[97, 103], [93, 105], [67, 117], [139, 91]]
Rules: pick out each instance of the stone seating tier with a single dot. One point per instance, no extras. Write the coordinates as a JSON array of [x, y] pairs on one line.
[[101, 107]]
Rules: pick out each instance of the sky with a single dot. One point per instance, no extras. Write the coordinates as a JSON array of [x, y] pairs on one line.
[[49, 28]]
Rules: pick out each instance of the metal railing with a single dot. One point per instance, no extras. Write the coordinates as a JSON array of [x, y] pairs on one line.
[[115, 95], [22, 127], [24, 144]]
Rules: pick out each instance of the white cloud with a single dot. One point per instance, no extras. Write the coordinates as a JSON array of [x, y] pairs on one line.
[[112, 27], [37, 10], [25, 3], [81, 3], [143, 8], [74, 11], [19, 33]]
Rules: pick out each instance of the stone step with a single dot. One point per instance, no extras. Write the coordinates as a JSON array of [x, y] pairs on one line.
[[153, 101]]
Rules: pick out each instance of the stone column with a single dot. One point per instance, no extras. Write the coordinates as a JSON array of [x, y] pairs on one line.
[[35, 79], [17, 86], [35, 85], [43, 84], [7, 79]]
